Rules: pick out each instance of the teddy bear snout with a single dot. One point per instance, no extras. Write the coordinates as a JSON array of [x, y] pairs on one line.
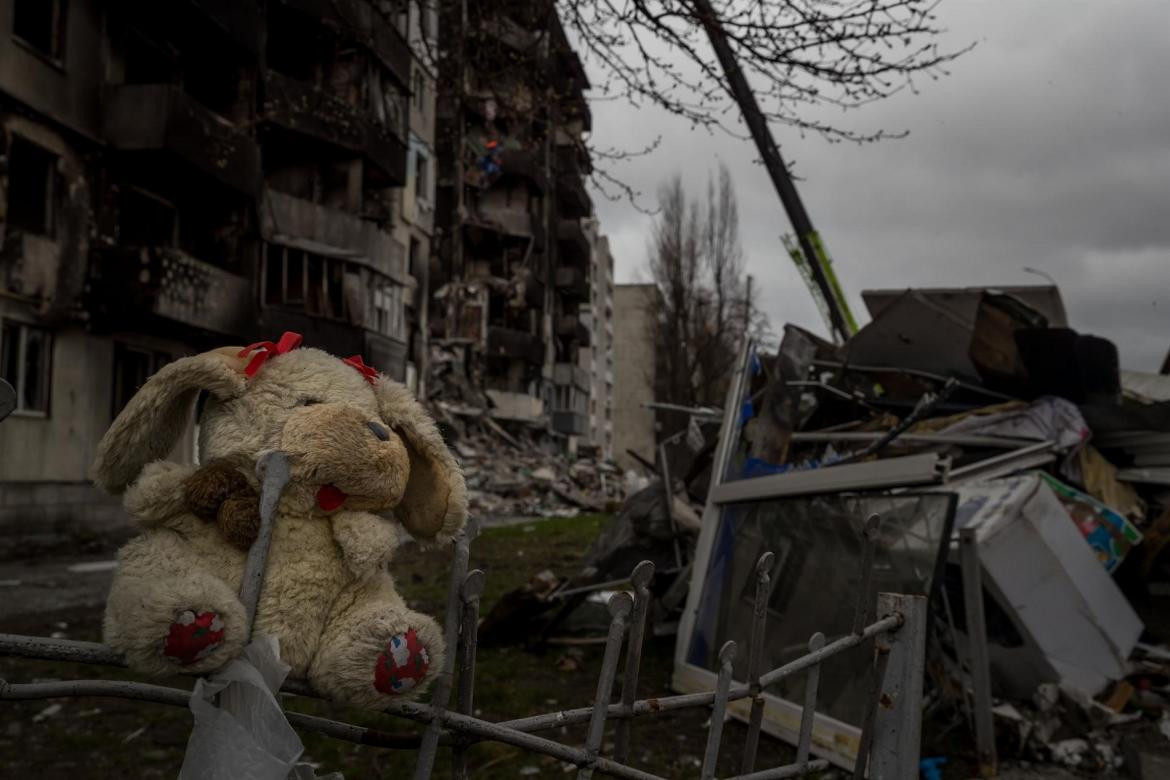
[[361, 463]]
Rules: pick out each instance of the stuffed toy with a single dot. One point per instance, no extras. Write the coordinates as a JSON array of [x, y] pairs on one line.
[[365, 462]]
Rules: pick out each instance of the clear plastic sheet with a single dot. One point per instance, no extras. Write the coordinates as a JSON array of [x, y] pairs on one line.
[[244, 732]]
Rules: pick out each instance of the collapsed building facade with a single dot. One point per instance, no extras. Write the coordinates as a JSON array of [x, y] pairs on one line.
[[521, 276], [176, 177]]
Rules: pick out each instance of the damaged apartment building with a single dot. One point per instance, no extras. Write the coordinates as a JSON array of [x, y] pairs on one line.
[[178, 176], [522, 276]]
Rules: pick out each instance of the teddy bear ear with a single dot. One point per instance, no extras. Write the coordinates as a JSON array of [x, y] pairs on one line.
[[151, 424], [434, 506]]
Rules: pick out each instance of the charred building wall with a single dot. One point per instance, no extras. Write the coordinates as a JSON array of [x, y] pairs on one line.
[[179, 176], [513, 270]]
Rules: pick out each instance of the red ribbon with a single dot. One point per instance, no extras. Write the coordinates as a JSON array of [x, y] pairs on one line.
[[266, 349], [369, 372]]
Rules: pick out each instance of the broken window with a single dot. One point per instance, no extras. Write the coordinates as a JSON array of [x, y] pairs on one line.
[[389, 316], [33, 185], [422, 177], [145, 219], [41, 25], [25, 357], [132, 367]]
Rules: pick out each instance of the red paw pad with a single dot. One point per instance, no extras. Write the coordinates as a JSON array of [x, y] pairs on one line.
[[193, 636], [402, 665]]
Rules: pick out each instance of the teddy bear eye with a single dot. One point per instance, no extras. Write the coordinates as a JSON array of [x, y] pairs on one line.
[[308, 402]]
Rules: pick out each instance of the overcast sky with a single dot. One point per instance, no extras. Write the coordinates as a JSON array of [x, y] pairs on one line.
[[1047, 147]]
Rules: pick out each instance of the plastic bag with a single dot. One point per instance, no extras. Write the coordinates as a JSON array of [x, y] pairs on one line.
[[247, 734]]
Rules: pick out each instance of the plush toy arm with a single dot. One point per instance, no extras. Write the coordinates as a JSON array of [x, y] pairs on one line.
[[157, 495], [367, 541]]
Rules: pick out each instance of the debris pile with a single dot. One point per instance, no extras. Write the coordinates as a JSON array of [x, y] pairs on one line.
[[980, 414], [516, 467]]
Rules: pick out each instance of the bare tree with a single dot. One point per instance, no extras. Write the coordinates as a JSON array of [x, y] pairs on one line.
[[697, 265]]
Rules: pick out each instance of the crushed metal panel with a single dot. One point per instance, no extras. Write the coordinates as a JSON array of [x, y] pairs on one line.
[[917, 332], [964, 300]]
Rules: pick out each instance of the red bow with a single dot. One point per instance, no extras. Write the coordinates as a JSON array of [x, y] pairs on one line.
[[266, 349], [369, 372]]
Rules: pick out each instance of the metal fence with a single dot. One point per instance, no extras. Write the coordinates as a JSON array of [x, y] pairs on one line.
[[889, 735]]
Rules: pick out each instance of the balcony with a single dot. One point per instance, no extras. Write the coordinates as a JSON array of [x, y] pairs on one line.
[[570, 326], [572, 282], [238, 22], [573, 201], [570, 423], [136, 287], [572, 242], [386, 354], [313, 112], [161, 117], [570, 375], [290, 220], [366, 27], [514, 344], [527, 164]]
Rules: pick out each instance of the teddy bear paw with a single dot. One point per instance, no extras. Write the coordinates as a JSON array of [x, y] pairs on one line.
[[402, 665], [193, 636]]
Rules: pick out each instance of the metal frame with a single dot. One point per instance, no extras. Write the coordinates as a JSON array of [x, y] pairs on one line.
[[838, 742]]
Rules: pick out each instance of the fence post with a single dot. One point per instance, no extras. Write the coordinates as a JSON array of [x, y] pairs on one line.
[[977, 652], [640, 578], [755, 659], [442, 689], [897, 729], [620, 607], [469, 594]]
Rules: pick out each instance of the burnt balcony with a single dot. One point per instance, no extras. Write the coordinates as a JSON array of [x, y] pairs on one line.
[[572, 282], [573, 201], [569, 326], [163, 118], [311, 111], [364, 26], [142, 287], [238, 22], [572, 160], [514, 344], [573, 243], [384, 353], [570, 423], [526, 164], [570, 375]]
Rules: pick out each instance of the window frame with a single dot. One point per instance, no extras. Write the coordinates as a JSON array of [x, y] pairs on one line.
[[22, 330], [56, 55], [53, 187]]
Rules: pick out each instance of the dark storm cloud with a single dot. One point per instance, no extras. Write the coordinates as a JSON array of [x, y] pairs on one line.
[[1048, 147]]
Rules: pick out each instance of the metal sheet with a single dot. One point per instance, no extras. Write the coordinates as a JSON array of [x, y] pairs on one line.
[[925, 469]]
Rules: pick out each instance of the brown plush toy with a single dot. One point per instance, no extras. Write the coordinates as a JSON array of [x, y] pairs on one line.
[[365, 462]]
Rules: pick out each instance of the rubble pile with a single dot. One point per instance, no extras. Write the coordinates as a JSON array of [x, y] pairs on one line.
[[519, 470]]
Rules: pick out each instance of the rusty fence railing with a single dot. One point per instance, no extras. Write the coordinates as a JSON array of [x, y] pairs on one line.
[[889, 734]]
